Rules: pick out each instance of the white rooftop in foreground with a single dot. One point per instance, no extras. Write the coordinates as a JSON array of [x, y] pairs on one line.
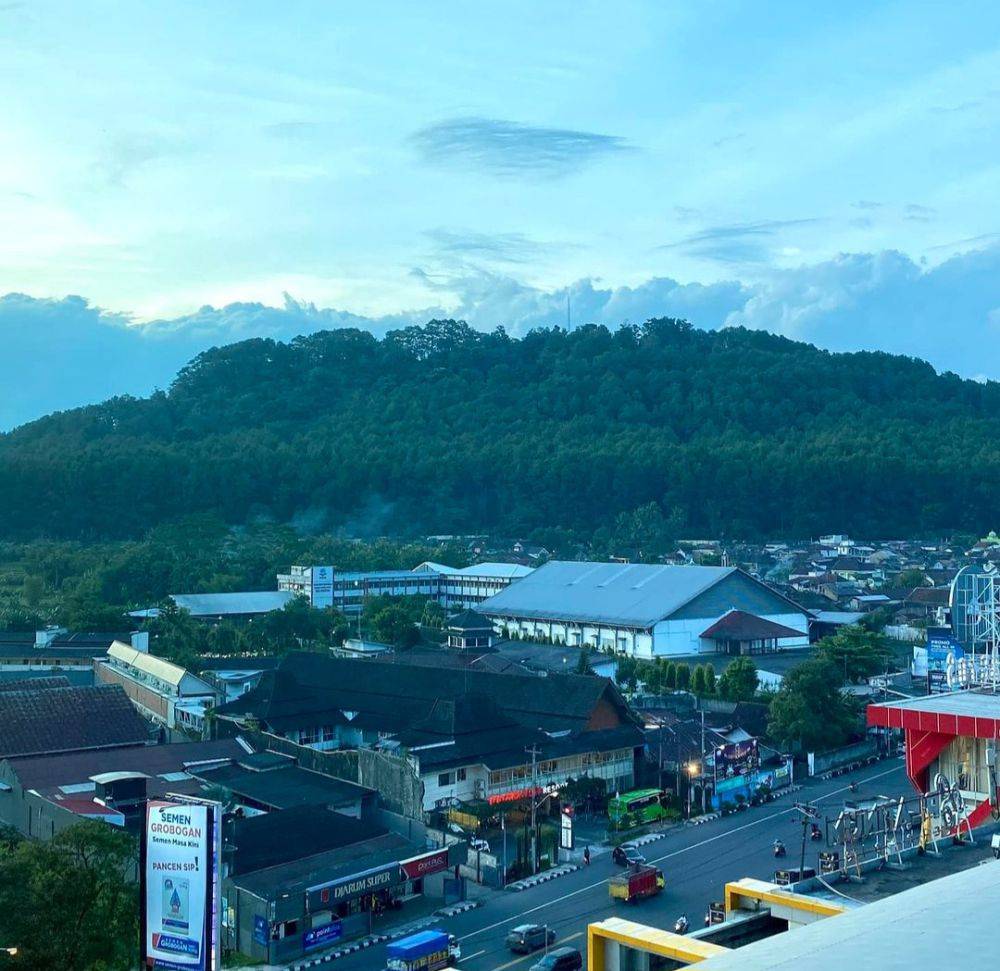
[[946, 923]]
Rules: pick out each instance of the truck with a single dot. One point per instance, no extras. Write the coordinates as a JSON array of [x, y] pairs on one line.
[[423, 951], [635, 883]]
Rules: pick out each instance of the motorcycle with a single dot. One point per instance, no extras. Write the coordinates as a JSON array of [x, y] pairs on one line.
[[815, 833], [779, 848], [681, 925]]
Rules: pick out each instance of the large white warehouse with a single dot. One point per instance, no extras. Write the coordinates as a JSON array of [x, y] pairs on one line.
[[647, 610]]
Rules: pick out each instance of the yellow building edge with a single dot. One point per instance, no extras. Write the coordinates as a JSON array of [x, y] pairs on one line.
[[652, 940], [770, 893]]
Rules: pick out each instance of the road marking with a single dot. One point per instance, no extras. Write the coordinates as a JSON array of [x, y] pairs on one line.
[[526, 957], [685, 849], [469, 957]]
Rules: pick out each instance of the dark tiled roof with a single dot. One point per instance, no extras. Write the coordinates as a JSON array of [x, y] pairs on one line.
[[47, 772], [932, 596], [314, 689], [738, 625], [68, 720], [36, 684], [271, 839], [469, 620]]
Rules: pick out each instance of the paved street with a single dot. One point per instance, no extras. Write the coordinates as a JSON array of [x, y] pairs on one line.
[[696, 861]]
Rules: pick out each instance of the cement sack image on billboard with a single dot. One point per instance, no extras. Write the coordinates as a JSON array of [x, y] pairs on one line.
[[177, 886]]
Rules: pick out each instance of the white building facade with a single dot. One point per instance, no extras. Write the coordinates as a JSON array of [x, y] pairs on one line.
[[640, 610]]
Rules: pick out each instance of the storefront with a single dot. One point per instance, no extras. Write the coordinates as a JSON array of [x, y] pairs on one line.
[[951, 743], [285, 912]]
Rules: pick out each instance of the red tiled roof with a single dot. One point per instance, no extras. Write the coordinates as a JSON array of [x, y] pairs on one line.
[[738, 625]]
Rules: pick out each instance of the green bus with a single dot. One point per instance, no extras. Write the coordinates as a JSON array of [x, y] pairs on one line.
[[637, 808]]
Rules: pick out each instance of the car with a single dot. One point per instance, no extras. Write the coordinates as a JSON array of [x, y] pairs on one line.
[[526, 938], [627, 855], [560, 959], [476, 843]]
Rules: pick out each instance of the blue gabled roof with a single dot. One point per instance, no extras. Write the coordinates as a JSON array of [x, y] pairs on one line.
[[629, 594]]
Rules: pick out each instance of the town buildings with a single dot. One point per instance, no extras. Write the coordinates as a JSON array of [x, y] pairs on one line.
[[468, 734]]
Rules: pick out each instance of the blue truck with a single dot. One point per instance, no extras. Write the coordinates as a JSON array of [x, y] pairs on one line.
[[423, 951]]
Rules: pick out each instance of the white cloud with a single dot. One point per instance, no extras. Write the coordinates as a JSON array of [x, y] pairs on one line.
[[67, 352]]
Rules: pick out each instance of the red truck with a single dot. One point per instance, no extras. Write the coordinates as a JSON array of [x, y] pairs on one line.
[[635, 883]]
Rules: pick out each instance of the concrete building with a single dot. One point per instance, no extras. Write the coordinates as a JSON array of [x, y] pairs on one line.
[[167, 694], [648, 611], [452, 587]]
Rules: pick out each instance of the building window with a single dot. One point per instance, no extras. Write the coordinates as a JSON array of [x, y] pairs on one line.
[[444, 779], [460, 775]]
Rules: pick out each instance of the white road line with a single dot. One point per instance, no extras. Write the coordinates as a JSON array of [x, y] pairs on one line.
[[667, 856], [470, 957]]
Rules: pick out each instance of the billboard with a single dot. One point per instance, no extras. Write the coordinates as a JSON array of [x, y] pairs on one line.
[[321, 586], [179, 884], [943, 653], [736, 759]]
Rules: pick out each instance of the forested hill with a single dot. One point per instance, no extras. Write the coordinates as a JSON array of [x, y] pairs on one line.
[[445, 429]]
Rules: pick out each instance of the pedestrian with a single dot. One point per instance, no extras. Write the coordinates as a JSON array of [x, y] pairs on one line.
[[586, 855]]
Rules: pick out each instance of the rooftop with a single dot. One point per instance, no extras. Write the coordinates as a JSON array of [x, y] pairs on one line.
[[235, 604], [738, 625], [636, 595], [43, 720], [284, 787], [47, 774], [912, 929]]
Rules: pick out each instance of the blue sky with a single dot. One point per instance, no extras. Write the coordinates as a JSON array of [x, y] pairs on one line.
[[829, 171]]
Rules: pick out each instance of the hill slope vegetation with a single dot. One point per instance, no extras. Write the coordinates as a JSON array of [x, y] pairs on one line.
[[444, 429]]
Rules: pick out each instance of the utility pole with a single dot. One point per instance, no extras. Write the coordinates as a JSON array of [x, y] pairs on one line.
[[533, 751], [703, 808]]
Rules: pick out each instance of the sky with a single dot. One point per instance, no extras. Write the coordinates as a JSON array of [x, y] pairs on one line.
[[175, 175]]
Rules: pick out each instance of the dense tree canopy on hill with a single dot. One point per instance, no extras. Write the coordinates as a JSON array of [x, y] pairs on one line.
[[445, 429]]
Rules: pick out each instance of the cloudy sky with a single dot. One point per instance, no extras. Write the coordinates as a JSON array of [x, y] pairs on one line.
[[198, 172]]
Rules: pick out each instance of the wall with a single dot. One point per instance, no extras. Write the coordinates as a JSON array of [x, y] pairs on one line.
[[392, 777], [820, 762]]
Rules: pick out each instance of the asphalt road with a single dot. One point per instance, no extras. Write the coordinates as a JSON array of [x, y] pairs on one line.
[[696, 861]]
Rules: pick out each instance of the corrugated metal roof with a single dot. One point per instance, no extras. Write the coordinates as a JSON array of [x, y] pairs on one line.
[[220, 604], [154, 666], [631, 594], [504, 570]]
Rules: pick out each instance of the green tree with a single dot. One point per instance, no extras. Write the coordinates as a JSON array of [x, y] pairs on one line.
[[910, 578], [739, 681], [583, 661], [670, 676], [710, 680], [71, 902], [698, 680], [683, 677], [33, 590], [856, 652], [810, 709]]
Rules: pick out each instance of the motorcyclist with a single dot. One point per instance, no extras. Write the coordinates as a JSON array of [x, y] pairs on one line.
[[779, 848], [681, 927], [815, 833]]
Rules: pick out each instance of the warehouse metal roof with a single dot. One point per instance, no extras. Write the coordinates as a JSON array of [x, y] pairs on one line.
[[630, 594], [222, 604]]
